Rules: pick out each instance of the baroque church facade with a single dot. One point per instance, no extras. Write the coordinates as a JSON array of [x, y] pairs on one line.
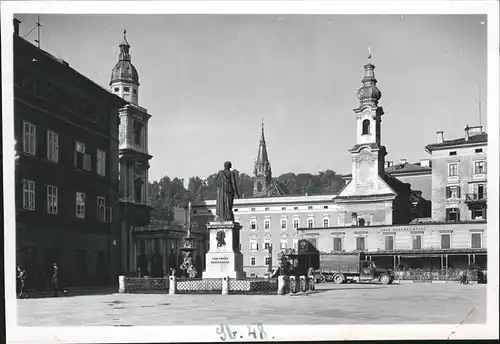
[[377, 211]]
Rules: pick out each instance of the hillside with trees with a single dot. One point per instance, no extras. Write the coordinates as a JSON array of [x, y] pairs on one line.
[[167, 194]]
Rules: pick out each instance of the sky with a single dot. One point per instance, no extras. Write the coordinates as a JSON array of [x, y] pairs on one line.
[[209, 80]]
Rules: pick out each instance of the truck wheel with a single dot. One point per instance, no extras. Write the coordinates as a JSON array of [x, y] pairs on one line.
[[338, 279], [385, 279]]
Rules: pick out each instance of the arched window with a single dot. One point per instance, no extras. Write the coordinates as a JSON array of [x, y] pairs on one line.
[[366, 127], [259, 186]]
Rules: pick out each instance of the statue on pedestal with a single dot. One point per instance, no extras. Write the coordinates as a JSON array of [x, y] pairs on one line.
[[226, 190]]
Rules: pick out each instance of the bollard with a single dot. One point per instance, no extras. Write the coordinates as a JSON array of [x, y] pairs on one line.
[[172, 285], [121, 284], [225, 285], [302, 284], [281, 285], [311, 281], [293, 285]]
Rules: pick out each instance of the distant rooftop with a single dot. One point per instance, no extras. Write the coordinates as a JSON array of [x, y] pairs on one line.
[[424, 166], [472, 135]]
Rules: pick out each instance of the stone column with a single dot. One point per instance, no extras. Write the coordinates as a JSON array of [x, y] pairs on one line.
[[225, 285], [172, 285], [281, 285], [121, 284]]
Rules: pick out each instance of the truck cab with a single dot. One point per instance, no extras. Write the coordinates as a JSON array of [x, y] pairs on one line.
[[369, 272]]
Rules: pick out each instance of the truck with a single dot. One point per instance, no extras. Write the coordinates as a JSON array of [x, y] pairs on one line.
[[341, 267]]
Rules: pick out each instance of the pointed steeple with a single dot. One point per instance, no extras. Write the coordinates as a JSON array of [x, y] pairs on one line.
[[262, 155], [124, 49], [262, 168]]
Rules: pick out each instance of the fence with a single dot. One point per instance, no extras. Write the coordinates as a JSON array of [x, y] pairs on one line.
[[172, 285], [198, 285], [145, 285], [253, 286], [436, 275]]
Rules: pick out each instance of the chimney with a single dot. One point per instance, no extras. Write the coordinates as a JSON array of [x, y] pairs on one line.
[[425, 162], [440, 137], [403, 161], [473, 131], [16, 26]]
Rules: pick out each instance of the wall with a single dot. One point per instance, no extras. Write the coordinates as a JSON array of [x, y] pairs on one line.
[[465, 158]]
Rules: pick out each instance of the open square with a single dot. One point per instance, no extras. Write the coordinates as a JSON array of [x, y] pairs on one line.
[[359, 304]]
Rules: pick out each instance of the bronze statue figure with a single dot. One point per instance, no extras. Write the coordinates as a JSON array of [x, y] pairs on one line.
[[220, 239], [226, 190]]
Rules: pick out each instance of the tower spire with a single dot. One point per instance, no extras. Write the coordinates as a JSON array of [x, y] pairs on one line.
[[262, 168]]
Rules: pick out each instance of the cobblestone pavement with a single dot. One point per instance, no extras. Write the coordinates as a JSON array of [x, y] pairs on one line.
[[449, 303]]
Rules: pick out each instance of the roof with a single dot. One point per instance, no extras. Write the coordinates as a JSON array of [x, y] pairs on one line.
[[65, 66], [473, 140], [407, 168]]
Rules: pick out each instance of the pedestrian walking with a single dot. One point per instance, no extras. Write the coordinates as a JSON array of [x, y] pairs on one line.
[[463, 277], [55, 281], [21, 277]]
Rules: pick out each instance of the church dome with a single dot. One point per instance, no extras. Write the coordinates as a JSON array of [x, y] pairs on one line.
[[369, 92], [124, 71]]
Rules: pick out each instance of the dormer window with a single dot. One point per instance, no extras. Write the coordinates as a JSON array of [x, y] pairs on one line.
[[366, 127]]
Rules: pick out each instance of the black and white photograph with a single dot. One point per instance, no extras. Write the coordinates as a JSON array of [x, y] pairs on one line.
[[250, 171]]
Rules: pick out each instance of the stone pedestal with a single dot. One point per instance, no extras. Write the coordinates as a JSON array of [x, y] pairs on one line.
[[224, 258]]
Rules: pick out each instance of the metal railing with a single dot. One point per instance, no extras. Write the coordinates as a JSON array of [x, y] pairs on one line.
[[146, 285], [253, 286], [198, 285], [474, 197]]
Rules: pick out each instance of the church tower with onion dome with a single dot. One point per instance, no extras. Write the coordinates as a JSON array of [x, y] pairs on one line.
[[133, 157]]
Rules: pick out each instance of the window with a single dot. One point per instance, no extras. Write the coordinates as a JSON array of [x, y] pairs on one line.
[[267, 224], [101, 162], [82, 160], [266, 209], [417, 242], [137, 133], [29, 138], [295, 208], [310, 207], [479, 167], [366, 127], [267, 260], [337, 244], [479, 213], [310, 222], [479, 150], [51, 199], [101, 208], [235, 209], [283, 245], [341, 218], [475, 240], [29, 195], [52, 146], [445, 240], [80, 205], [452, 214], [326, 222], [453, 170], [117, 89], [134, 91], [254, 246], [453, 191], [295, 223], [283, 223], [283, 208], [195, 224], [126, 89], [252, 261], [389, 242], [360, 243], [252, 209], [267, 245], [325, 207], [453, 153], [253, 224]]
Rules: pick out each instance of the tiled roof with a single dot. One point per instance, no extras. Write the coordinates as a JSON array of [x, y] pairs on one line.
[[481, 138], [400, 169]]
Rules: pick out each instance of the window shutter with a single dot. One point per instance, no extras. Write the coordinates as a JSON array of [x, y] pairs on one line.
[[448, 192], [257, 246], [458, 191]]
